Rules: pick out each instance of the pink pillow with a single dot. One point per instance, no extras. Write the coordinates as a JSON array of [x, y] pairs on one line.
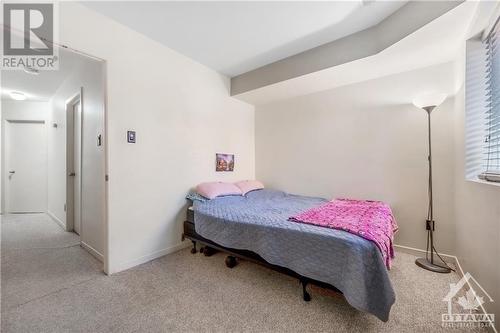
[[249, 185], [217, 189]]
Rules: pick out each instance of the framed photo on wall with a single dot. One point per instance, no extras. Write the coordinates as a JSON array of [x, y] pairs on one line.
[[224, 162]]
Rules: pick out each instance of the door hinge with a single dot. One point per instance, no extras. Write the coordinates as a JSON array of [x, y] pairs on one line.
[[64, 207], [106, 177]]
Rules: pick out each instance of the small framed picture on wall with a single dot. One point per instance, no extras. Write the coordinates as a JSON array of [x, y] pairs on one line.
[[224, 162]]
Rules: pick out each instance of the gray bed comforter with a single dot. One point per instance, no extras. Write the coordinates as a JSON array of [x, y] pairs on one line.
[[259, 222]]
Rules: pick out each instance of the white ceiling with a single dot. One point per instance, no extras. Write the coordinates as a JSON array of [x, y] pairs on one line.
[[43, 86], [438, 42], [235, 37]]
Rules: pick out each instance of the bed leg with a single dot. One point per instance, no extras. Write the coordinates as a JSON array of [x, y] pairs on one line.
[[305, 294], [231, 261], [193, 250]]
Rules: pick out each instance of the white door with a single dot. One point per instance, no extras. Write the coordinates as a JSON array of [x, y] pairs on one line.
[[26, 166], [77, 167]]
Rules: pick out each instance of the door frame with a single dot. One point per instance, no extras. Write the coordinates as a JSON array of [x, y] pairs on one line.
[[106, 148], [70, 145], [4, 157]]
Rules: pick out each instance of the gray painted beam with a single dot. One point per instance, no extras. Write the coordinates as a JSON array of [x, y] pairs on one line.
[[408, 19]]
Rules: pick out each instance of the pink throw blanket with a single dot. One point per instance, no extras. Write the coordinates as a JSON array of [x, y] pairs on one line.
[[372, 220]]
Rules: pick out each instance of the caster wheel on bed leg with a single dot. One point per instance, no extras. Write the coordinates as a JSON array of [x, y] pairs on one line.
[[193, 250], [208, 251], [231, 261]]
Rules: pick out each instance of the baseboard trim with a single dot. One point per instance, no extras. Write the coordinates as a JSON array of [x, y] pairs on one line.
[[129, 264], [57, 220], [92, 251], [451, 259], [461, 273]]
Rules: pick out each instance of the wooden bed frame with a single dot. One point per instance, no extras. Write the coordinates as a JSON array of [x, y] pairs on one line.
[[208, 248]]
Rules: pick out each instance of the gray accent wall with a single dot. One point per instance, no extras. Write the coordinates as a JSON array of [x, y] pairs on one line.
[[369, 42]]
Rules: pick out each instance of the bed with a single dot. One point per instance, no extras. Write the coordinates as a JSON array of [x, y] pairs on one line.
[[256, 226]]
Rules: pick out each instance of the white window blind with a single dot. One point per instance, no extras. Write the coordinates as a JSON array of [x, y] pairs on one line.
[[482, 135]]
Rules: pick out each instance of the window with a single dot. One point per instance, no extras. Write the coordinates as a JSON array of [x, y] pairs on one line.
[[482, 138]]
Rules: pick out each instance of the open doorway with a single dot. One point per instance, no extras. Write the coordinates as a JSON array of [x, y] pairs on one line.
[[53, 156], [74, 164]]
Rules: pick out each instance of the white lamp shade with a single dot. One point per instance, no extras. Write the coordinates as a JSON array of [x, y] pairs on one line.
[[429, 99]]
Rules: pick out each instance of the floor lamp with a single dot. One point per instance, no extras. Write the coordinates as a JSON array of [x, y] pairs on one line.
[[429, 102]]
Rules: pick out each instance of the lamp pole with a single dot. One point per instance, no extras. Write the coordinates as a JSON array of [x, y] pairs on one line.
[[425, 262]]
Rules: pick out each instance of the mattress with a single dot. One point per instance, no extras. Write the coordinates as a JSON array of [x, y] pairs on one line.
[[259, 222]]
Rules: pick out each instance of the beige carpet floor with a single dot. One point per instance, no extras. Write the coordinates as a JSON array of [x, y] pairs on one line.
[[60, 288]]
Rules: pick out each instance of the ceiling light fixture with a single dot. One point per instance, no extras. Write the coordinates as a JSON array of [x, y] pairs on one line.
[[31, 70], [18, 96]]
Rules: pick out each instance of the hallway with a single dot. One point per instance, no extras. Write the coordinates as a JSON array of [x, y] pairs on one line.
[[39, 258]]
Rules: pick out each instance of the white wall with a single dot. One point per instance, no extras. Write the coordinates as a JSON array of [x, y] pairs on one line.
[[477, 203], [18, 110], [183, 115], [477, 219], [368, 141], [90, 77]]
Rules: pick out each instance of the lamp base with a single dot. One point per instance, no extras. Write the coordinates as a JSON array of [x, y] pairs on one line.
[[426, 264]]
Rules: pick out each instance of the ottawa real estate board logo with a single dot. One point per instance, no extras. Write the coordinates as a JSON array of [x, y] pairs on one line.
[[29, 34], [466, 305]]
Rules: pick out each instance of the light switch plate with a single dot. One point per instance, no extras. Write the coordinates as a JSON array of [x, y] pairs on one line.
[[131, 136]]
